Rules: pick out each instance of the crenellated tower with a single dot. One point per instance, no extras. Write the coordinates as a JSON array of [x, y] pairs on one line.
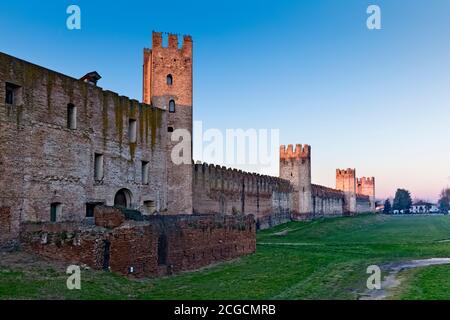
[[295, 166], [167, 84], [346, 182], [366, 186]]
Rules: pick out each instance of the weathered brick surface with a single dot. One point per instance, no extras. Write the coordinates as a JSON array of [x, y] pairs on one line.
[[219, 190], [108, 217], [7, 233], [159, 62], [366, 186], [42, 161], [327, 201], [193, 241]]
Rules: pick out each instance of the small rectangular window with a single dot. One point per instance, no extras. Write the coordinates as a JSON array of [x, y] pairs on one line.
[[132, 128], [150, 206], [71, 116], [98, 167], [12, 94], [55, 211], [144, 172], [90, 207]]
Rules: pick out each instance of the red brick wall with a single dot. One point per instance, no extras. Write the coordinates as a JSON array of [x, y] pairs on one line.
[[108, 217], [193, 241]]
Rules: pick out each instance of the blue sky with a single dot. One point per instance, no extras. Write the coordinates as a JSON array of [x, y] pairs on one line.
[[378, 101]]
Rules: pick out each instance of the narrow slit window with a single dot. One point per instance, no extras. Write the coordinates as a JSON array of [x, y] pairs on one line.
[[144, 172], [71, 116], [55, 211], [169, 80], [162, 250], [172, 106], [98, 167], [132, 130]]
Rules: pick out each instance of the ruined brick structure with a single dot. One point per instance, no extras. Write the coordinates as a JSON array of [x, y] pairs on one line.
[[70, 151], [154, 246]]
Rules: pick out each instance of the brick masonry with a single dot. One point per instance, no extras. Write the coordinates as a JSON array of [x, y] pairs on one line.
[[219, 190], [49, 169], [135, 248]]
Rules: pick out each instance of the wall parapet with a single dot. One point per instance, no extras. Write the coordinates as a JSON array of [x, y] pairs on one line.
[[300, 152], [326, 192], [228, 179]]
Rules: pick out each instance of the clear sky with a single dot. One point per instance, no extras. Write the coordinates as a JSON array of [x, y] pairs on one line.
[[377, 101]]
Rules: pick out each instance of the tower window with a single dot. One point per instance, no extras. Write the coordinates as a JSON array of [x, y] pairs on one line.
[[144, 172], [169, 80], [12, 94], [98, 167], [55, 211], [132, 128], [172, 106], [170, 129], [71, 116]]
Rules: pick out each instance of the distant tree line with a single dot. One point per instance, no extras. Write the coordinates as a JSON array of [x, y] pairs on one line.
[[403, 202]]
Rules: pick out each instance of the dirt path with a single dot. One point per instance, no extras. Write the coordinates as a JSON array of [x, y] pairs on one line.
[[392, 281]]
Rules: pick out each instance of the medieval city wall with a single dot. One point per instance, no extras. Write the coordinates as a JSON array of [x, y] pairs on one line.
[[44, 161], [219, 190], [327, 201], [363, 204], [159, 245]]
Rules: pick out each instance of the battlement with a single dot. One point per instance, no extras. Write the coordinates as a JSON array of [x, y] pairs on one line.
[[366, 180], [229, 179], [345, 172], [300, 152], [172, 42], [325, 192], [366, 186]]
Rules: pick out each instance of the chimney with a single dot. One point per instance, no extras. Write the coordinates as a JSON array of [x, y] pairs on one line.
[[91, 77]]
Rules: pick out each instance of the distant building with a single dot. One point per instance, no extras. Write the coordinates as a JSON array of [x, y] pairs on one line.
[[424, 207]]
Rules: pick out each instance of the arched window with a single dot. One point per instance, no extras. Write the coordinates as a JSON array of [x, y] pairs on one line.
[[172, 106], [169, 80]]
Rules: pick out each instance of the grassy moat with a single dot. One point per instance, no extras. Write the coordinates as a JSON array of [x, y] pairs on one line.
[[322, 259]]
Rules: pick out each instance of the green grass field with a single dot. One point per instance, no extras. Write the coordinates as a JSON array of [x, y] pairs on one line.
[[322, 259]]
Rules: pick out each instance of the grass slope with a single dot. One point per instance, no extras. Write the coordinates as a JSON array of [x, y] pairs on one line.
[[322, 259]]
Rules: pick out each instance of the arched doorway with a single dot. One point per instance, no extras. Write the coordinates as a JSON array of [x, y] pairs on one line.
[[122, 198]]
